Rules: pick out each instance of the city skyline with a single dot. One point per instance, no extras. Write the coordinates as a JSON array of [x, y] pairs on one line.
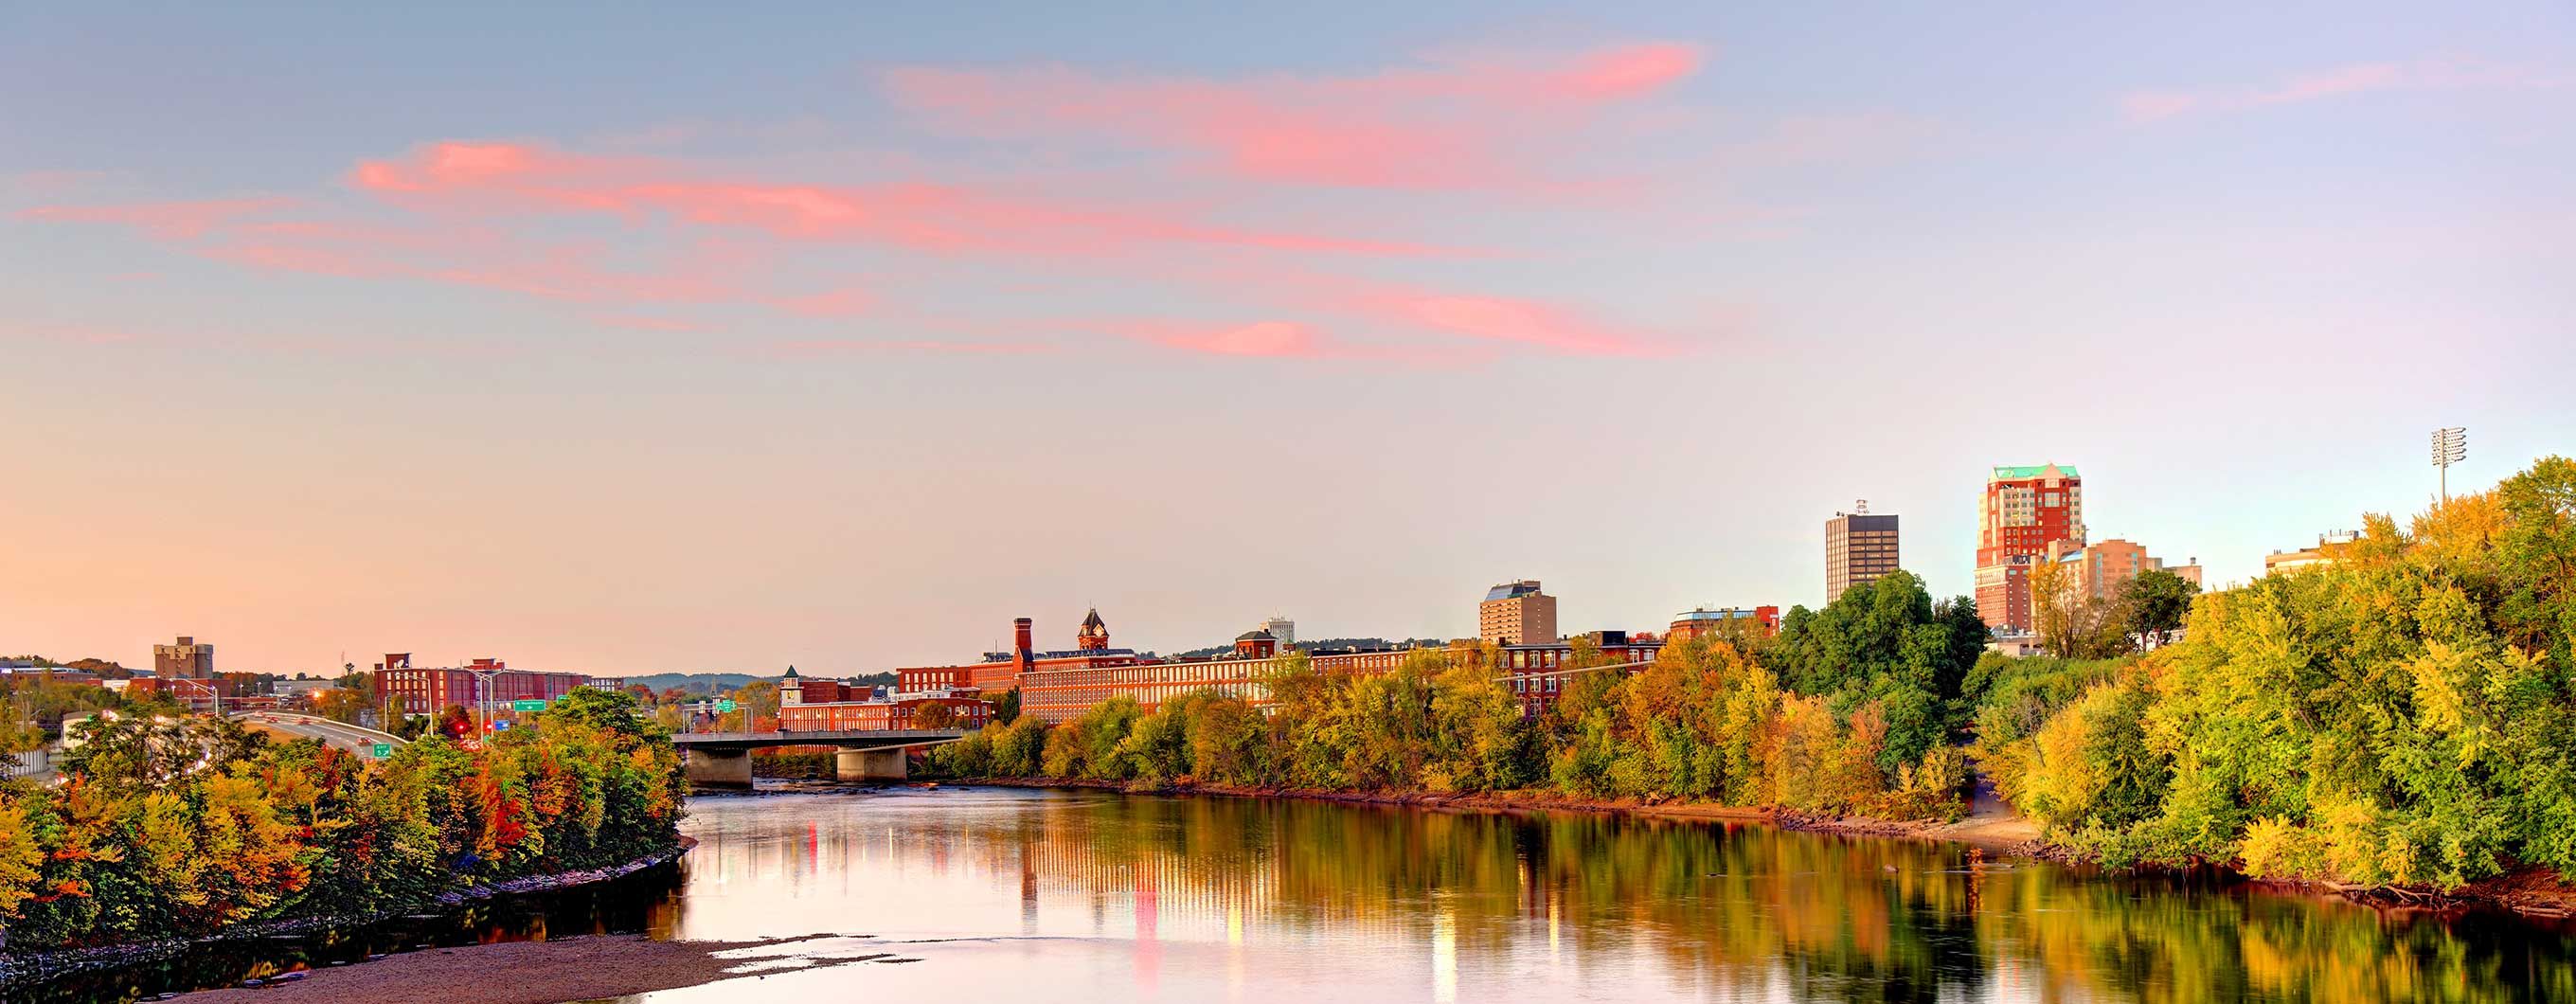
[[345, 334]]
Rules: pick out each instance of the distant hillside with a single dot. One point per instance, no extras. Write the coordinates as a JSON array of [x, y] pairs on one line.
[[106, 669], [710, 683]]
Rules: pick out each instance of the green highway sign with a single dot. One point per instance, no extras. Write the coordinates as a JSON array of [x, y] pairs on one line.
[[384, 750], [726, 706], [527, 705]]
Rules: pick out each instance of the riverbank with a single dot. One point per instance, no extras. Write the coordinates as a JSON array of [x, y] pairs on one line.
[[1989, 826], [1994, 830], [44, 965], [541, 972]]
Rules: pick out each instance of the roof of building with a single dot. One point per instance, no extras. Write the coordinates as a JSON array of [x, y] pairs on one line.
[[1092, 619], [1256, 634], [1512, 590], [1729, 614], [791, 672], [2022, 473]]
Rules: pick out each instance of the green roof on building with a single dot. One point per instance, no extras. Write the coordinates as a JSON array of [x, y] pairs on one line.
[[2019, 473]]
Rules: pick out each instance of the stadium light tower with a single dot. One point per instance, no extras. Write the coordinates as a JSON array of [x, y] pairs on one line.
[[2450, 446]]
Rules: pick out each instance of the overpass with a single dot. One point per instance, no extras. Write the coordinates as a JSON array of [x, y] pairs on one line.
[[723, 759], [339, 735]]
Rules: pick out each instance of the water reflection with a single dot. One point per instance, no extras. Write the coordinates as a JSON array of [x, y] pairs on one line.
[[1090, 896]]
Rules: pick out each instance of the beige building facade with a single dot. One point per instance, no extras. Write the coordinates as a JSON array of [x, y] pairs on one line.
[[1517, 613]]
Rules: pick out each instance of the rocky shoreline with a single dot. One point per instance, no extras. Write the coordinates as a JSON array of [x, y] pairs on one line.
[[17, 968]]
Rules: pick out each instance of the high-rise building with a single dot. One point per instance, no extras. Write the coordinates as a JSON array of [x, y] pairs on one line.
[[2024, 510], [1517, 613], [1859, 548], [1283, 629], [189, 659]]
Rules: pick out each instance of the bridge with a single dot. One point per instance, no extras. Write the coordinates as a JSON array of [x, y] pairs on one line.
[[723, 759]]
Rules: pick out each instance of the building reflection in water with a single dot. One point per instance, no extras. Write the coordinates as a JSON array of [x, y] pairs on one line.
[[1487, 902]]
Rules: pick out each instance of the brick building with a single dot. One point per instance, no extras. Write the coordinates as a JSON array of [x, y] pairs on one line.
[[2098, 571], [1536, 674], [429, 690], [1516, 613], [2024, 511], [1859, 549], [860, 709], [1002, 671], [1692, 623]]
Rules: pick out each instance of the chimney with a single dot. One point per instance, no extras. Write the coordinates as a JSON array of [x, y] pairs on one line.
[[1021, 648]]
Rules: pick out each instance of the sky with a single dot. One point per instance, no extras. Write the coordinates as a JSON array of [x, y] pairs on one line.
[[629, 339]]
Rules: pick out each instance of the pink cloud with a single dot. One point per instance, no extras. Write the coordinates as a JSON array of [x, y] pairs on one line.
[[501, 177], [645, 322], [850, 346], [1464, 125], [164, 220], [1509, 319], [1268, 339], [1293, 340], [835, 303], [2358, 78]]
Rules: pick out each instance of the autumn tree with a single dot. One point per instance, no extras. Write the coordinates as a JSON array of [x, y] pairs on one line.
[[2071, 622], [935, 716]]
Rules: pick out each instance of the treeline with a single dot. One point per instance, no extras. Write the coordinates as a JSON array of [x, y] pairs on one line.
[[2403, 716], [174, 826], [1851, 709]]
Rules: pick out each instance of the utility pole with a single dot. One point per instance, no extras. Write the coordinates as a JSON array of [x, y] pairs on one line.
[[2450, 446]]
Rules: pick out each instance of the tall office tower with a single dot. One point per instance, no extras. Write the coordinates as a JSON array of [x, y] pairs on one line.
[[1517, 613], [1859, 548], [2023, 512]]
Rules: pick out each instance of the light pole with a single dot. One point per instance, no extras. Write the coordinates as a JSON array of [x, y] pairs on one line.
[[2450, 446], [482, 701]]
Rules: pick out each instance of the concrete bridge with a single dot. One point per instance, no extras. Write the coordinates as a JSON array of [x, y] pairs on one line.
[[723, 759]]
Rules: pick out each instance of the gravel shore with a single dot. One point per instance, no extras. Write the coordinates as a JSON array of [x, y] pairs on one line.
[[540, 972]]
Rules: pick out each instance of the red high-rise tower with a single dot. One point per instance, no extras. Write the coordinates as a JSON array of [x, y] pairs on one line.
[[2023, 511]]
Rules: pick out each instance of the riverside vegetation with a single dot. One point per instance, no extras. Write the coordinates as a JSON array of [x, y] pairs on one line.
[[169, 826], [2405, 717]]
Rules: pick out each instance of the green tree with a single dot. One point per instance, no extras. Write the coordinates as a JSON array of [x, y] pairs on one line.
[[2155, 602]]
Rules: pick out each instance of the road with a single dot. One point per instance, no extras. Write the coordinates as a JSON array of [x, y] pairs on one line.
[[340, 735]]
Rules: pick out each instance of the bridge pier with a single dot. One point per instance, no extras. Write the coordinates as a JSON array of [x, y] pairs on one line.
[[713, 768], [870, 765]]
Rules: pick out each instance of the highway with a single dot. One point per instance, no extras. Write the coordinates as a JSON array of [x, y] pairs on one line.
[[340, 735]]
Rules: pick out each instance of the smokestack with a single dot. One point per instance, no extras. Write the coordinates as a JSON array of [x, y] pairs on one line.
[[1020, 635]]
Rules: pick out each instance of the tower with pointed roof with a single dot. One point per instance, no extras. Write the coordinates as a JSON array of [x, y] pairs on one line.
[[1094, 636]]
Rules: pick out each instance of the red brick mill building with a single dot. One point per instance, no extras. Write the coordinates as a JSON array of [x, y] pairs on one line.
[[1061, 684]]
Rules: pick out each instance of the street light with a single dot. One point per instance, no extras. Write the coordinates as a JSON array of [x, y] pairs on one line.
[[482, 701], [2450, 446]]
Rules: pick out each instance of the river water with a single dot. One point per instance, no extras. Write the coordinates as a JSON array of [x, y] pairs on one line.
[[907, 894]]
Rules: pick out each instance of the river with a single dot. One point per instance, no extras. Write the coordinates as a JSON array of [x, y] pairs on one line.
[[1089, 896]]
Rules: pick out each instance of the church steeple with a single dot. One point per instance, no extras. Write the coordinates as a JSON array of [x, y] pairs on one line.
[[1095, 633]]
